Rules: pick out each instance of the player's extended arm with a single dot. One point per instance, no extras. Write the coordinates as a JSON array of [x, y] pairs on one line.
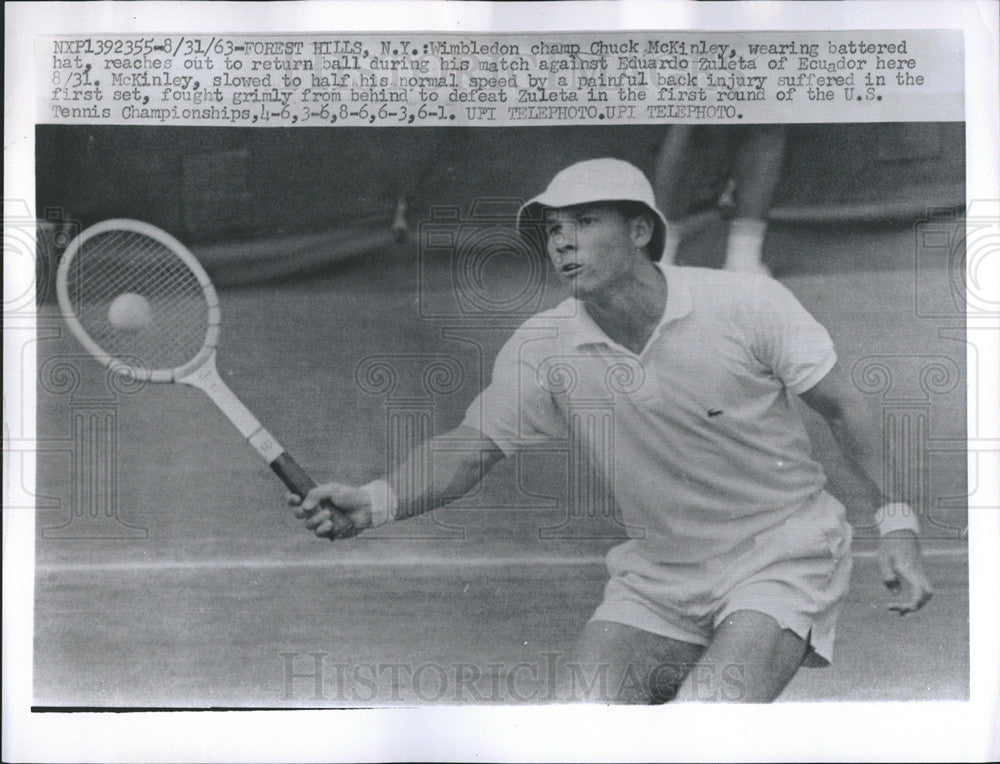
[[460, 460], [844, 410]]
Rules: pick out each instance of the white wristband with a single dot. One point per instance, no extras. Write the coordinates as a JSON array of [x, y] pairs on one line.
[[895, 517], [384, 502]]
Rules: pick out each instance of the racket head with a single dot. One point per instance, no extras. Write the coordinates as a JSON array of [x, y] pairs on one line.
[[122, 256]]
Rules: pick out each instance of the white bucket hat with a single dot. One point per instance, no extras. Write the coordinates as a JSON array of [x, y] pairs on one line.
[[595, 180]]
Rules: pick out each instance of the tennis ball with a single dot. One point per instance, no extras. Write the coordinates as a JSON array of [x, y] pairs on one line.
[[130, 312]]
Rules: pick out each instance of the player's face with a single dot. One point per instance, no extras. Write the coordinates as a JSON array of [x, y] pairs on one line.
[[593, 246]]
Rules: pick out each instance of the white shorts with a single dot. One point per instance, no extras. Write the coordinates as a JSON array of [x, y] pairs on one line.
[[797, 572]]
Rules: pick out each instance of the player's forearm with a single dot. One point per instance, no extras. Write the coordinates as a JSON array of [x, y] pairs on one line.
[[861, 444], [860, 439], [441, 470]]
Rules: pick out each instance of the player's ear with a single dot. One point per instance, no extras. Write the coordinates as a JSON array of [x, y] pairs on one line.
[[641, 229]]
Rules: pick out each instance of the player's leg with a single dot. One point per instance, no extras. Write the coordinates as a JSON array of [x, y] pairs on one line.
[[782, 612], [750, 659], [400, 226], [671, 164], [758, 169], [616, 663]]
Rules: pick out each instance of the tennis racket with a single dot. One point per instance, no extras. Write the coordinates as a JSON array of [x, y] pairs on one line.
[[143, 306]]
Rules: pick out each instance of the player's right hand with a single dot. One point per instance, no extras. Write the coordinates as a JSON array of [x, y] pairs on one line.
[[349, 515]]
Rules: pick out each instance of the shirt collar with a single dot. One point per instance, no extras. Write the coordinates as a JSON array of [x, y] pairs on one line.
[[585, 331], [679, 302]]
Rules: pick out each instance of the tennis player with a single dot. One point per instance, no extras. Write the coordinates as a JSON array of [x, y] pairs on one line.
[[738, 561], [750, 156]]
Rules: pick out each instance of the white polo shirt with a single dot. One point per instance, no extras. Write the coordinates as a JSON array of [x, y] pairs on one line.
[[696, 436]]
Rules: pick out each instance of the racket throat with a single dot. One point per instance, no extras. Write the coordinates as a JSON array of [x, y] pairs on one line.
[[206, 378]]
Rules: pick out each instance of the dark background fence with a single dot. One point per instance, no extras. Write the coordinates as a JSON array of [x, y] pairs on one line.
[[220, 184]]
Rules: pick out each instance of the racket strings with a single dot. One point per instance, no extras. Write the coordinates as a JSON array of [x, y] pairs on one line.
[[118, 262]]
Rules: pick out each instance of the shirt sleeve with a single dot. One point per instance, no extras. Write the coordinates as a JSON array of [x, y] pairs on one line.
[[788, 340], [514, 409]]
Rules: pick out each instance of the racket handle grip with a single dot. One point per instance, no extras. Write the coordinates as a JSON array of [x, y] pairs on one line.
[[297, 481], [295, 478]]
